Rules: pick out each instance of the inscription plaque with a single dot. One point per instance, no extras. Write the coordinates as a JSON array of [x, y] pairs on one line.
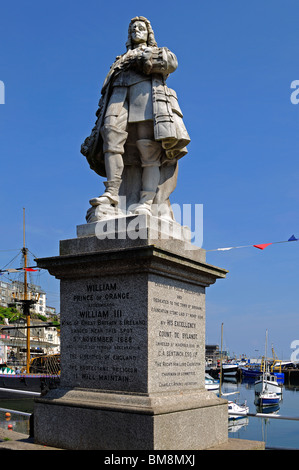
[[141, 334], [177, 330], [104, 340]]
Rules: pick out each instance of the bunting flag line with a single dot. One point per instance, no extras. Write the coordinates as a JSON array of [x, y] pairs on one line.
[[260, 246], [17, 270]]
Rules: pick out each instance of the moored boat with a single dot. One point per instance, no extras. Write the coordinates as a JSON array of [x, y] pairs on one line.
[[236, 411], [266, 398], [211, 383], [229, 368], [251, 371], [270, 382]]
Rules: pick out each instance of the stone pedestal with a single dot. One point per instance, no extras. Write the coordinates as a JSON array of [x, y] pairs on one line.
[[132, 344]]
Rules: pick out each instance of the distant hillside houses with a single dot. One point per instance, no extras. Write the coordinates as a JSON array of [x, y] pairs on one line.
[[11, 292]]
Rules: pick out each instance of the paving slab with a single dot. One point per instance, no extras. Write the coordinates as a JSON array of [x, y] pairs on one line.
[[240, 444], [11, 440]]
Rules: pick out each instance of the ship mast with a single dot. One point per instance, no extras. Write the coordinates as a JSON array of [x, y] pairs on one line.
[[28, 298], [26, 304], [25, 297]]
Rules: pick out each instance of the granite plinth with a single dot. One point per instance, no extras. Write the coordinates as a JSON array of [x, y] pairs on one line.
[[80, 422], [132, 347]]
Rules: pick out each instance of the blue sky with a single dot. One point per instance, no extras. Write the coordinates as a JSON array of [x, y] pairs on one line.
[[237, 60]]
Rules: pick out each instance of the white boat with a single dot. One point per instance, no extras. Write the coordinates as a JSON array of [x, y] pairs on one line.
[[236, 411], [270, 381], [265, 397], [229, 368], [211, 383], [242, 363]]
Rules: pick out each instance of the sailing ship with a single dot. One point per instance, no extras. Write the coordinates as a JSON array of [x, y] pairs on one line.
[[38, 373]]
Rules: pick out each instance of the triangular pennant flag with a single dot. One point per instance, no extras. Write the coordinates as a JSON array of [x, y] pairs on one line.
[[30, 269], [292, 238], [262, 245]]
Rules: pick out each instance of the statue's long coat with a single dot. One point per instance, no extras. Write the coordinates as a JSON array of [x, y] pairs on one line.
[[167, 117]]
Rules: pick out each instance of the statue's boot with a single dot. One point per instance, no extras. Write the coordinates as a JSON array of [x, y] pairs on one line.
[[145, 203], [113, 147], [110, 196], [150, 153]]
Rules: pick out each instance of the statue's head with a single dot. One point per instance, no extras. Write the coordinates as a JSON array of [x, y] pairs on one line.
[[140, 32]]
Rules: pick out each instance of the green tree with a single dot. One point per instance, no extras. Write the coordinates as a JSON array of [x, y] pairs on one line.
[[11, 313]]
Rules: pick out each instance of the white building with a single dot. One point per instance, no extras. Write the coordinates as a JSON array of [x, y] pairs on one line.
[[5, 293], [14, 291]]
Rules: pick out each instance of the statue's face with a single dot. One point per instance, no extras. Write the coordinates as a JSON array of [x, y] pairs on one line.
[[139, 32]]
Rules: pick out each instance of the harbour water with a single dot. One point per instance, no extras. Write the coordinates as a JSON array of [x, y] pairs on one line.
[[276, 433], [18, 420]]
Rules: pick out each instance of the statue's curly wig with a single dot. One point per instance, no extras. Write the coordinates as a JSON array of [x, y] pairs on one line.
[[151, 38]]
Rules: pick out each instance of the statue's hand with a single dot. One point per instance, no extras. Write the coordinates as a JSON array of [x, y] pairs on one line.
[[147, 53], [146, 58], [141, 59]]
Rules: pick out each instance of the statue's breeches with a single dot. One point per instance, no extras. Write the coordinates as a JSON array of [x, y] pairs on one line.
[[114, 138], [138, 98]]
